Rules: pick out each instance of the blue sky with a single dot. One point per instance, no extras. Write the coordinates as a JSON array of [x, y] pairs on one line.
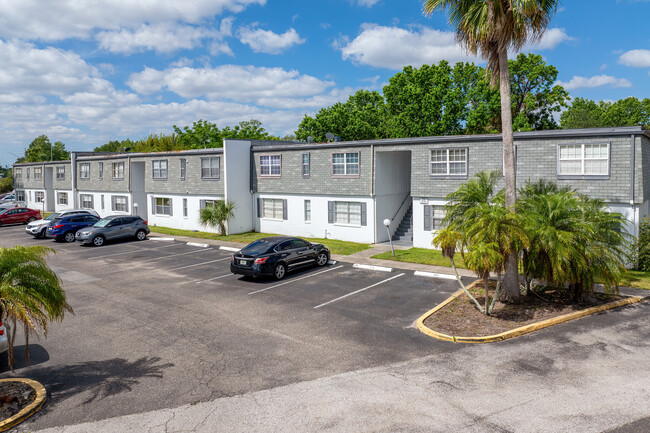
[[87, 72]]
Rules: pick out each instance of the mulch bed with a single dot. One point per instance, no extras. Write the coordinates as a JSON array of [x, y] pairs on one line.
[[14, 396], [460, 317]]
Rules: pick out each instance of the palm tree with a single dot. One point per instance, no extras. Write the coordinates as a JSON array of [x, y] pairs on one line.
[[490, 28], [30, 294], [218, 214]]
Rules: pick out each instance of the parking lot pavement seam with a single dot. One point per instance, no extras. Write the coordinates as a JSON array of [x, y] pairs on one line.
[[517, 331], [30, 409]]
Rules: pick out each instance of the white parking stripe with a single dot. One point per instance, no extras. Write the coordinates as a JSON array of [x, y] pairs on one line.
[[358, 291], [295, 279], [215, 278], [126, 252], [201, 264], [173, 255]]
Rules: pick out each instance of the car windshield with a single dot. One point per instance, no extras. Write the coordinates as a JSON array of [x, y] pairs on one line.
[[102, 223], [52, 217], [257, 247]]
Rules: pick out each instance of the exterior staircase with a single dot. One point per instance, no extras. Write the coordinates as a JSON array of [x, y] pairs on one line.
[[404, 233]]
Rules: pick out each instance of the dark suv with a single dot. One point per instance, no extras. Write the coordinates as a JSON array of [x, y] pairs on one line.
[[64, 228], [114, 227]]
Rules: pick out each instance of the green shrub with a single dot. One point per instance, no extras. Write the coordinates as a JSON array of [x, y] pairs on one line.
[[642, 249]]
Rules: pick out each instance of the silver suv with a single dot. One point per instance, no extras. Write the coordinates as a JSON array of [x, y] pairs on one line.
[[39, 227], [114, 227]]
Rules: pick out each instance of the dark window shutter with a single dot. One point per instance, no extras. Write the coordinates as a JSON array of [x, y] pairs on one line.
[[427, 217], [330, 212], [201, 204], [153, 205], [259, 207], [284, 209], [364, 220]]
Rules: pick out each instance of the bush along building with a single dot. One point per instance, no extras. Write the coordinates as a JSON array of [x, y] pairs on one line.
[[340, 190]]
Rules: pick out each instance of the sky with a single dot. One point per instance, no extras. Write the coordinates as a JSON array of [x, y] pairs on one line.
[[85, 72]]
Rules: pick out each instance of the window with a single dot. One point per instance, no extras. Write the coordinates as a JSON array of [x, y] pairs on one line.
[[270, 165], [118, 170], [60, 173], [307, 211], [20, 195], [120, 203], [159, 169], [299, 243], [583, 159], [62, 198], [346, 212], [18, 174], [210, 168], [272, 208], [102, 201], [437, 215], [183, 168], [27, 173], [185, 207], [163, 206], [86, 201], [305, 165], [449, 162], [39, 196], [38, 173], [101, 170], [84, 170], [345, 164]]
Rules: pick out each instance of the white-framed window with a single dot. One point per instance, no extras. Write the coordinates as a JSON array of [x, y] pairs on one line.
[[102, 201], [62, 198], [60, 172], [347, 212], [583, 159], [210, 168], [448, 162], [437, 215], [86, 201], [27, 173], [272, 208], [39, 196], [84, 170], [270, 165], [163, 206], [183, 162], [307, 211], [38, 173], [345, 164], [206, 203], [100, 169], [185, 207], [18, 173], [305, 165], [159, 169], [20, 195], [118, 170], [120, 203]]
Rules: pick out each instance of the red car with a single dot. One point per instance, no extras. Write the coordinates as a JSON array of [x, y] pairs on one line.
[[18, 215]]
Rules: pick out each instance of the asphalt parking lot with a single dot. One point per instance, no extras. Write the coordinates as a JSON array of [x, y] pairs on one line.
[[162, 323]]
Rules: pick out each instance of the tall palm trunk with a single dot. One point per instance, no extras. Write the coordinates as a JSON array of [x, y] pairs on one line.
[[510, 290]]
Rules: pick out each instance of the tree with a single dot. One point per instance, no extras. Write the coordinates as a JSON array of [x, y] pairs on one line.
[[30, 294], [490, 28], [217, 214], [7, 183], [585, 113], [41, 149], [155, 143], [116, 146], [582, 113], [248, 130], [201, 135]]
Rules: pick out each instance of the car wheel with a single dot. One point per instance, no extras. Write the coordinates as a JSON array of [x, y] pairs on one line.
[[40, 235], [322, 259], [98, 241], [280, 271], [69, 237], [141, 235], [31, 220]]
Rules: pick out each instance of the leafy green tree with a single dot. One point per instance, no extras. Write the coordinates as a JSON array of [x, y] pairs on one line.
[[30, 294], [201, 135], [585, 113], [7, 182], [116, 145], [491, 28], [41, 149], [582, 113], [218, 214], [248, 130], [155, 143]]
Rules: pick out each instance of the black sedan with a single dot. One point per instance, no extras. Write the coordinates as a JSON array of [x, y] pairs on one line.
[[275, 256]]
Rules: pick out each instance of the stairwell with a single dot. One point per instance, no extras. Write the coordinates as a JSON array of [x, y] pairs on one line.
[[404, 233]]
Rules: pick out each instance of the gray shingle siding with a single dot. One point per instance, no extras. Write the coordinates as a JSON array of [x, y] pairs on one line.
[[66, 183], [193, 184], [106, 183]]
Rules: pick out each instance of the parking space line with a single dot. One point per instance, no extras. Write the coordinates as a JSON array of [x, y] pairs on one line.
[[126, 252], [201, 264], [359, 291], [215, 278], [295, 279], [173, 255]]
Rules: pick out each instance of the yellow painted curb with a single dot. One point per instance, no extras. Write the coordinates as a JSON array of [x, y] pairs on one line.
[[521, 330], [28, 410]]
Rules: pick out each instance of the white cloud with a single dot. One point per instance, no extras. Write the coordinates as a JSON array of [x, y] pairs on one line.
[[232, 82], [162, 37], [395, 47], [367, 3], [265, 41], [578, 82], [61, 19], [636, 58], [551, 39]]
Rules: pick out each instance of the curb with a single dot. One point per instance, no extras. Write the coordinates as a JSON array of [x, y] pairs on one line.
[[155, 238], [29, 410], [523, 329], [372, 267], [196, 244], [435, 275], [229, 248]]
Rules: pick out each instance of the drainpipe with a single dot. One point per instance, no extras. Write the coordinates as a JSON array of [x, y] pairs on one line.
[[73, 176], [372, 192], [632, 177]]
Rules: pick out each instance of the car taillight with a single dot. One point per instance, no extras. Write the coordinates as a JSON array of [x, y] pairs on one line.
[[146, 222], [261, 260], [232, 258], [58, 226]]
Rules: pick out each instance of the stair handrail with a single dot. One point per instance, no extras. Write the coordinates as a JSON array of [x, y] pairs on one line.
[[408, 194]]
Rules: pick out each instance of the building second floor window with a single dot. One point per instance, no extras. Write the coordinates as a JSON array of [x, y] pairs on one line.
[[305, 165], [270, 165], [38, 173], [159, 169], [84, 170], [120, 203], [28, 174], [583, 159], [18, 173], [345, 164], [100, 170], [60, 173], [183, 168], [118, 170], [86, 201], [448, 162], [210, 168]]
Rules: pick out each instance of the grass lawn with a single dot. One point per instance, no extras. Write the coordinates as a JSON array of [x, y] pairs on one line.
[[422, 256], [637, 279], [335, 246]]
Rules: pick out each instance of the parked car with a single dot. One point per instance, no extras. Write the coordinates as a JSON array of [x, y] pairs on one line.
[[38, 228], [8, 197], [114, 227], [11, 204], [19, 215], [65, 228], [275, 256]]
